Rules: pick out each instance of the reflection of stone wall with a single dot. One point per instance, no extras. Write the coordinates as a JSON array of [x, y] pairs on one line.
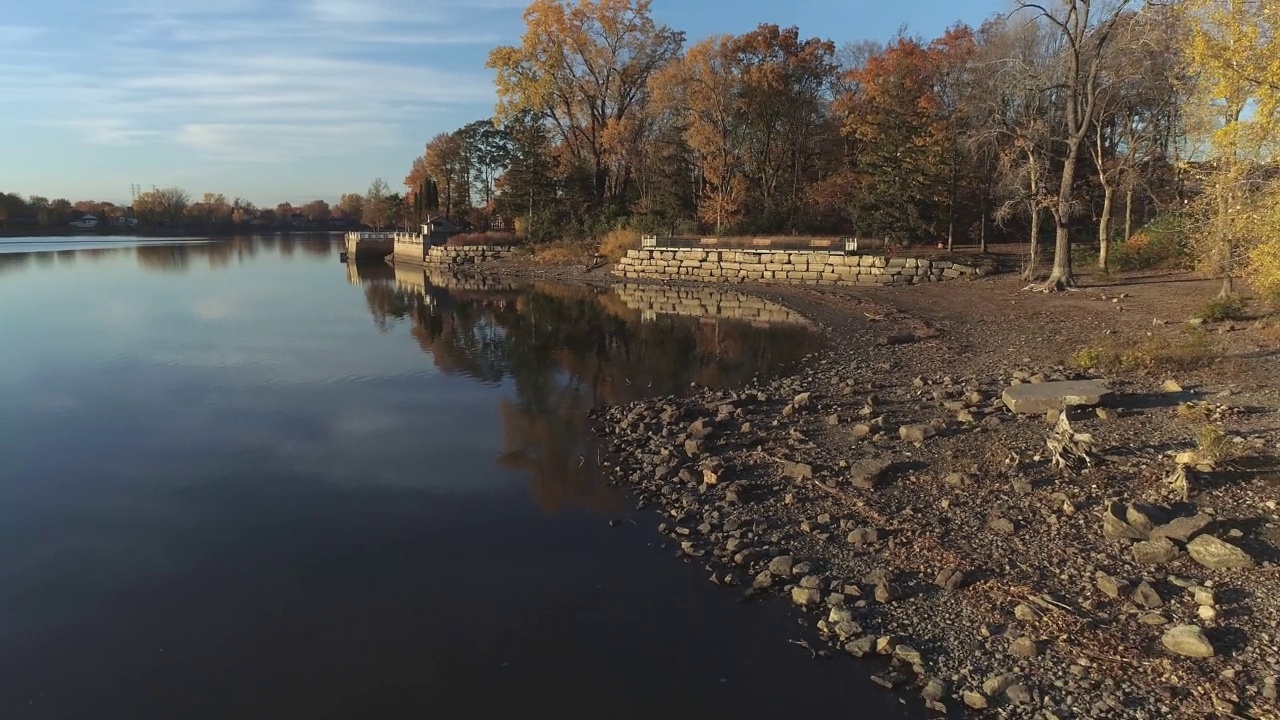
[[816, 268], [703, 302], [417, 278]]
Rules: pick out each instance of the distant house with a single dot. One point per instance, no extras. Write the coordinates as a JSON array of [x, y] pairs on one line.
[[85, 221], [437, 231]]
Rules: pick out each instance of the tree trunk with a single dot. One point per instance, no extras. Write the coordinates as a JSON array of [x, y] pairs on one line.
[[1033, 264], [1128, 214], [982, 234], [1224, 244], [951, 233], [1061, 278], [1104, 229]]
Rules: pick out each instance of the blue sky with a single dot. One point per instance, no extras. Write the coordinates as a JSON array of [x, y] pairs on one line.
[[278, 100]]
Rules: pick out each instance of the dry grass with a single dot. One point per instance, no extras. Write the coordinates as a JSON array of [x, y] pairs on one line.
[[616, 243], [563, 253], [1193, 349], [1214, 446]]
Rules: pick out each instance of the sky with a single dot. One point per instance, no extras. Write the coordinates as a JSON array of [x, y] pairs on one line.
[[291, 100]]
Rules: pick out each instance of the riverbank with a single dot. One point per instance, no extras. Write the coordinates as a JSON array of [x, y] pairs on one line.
[[888, 493]]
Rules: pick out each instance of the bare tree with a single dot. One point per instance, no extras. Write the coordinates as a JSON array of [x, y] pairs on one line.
[[1086, 32]]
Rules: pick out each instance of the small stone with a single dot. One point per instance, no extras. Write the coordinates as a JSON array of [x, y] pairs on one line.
[[1203, 595], [1146, 596], [1001, 525], [861, 431], [950, 579], [887, 592], [955, 479], [848, 629], [1144, 517], [1112, 587], [1155, 552], [916, 433], [860, 647], [1024, 647], [1019, 694], [802, 400], [1026, 613], [907, 654], [1217, 554], [1153, 619], [975, 701], [799, 471], [805, 597], [885, 645], [833, 420], [1207, 613], [1171, 386], [863, 536], [1188, 640], [934, 690], [997, 684], [811, 582], [781, 565]]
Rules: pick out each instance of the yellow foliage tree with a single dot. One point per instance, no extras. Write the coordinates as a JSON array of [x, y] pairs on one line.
[[584, 68], [1233, 58]]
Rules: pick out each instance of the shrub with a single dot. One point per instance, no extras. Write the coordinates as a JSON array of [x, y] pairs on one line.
[[1192, 350], [616, 243], [1162, 243], [1222, 308]]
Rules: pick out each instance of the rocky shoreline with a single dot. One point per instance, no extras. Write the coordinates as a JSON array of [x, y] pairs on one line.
[[911, 518], [922, 521]]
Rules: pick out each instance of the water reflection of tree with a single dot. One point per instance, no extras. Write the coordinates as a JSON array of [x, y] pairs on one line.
[[180, 256], [10, 262], [566, 349]]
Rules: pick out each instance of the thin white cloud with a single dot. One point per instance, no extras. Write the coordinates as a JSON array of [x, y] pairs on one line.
[[257, 80]]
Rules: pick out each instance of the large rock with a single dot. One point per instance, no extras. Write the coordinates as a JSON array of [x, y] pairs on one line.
[[916, 433], [865, 474], [1156, 551], [781, 565], [1183, 529], [1114, 526], [1039, 398], [1211, 552], [1188, 640]]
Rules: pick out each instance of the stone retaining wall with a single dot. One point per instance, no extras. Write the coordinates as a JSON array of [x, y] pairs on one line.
[[447, 256], [817, 268], [703, 302]]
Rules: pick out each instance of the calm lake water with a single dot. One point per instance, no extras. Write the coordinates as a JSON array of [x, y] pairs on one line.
[[239, 479]]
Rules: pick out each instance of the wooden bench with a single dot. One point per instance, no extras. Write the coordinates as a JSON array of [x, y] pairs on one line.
[[709, 241], [762, 242], [820, 243]]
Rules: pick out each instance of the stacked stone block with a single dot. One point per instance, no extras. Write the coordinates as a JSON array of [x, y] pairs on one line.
[[814, 268]]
